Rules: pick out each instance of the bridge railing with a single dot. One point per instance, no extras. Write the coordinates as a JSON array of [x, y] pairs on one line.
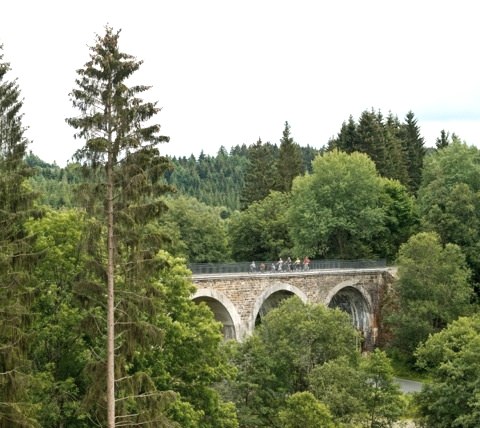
[[244, 267]]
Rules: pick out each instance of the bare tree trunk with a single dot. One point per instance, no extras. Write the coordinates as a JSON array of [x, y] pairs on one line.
[[110, 303]]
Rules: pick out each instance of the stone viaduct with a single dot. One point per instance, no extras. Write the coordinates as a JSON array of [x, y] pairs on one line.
[[240, 300]]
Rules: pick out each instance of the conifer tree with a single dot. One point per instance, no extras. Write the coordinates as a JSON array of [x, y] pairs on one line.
[[372, 139], [124, 166], [347, 139], [290, 163], [15, 287], [445, 139], [414, 148], [260, 173], [395, 154]]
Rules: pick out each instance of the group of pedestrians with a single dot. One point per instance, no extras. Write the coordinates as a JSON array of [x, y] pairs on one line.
[[282, 266]]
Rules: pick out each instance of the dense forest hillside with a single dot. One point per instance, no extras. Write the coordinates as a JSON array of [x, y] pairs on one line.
[[214, 180]]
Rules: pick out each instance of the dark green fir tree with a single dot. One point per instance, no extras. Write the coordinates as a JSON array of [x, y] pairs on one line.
[[289, 163], [260, 173], [16, 290], [124, 190], [414, 149]]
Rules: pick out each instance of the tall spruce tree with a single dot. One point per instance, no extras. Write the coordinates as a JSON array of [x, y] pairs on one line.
[[372, 139], [15, 287], [260, 173], [414, 149], [395, 154], [347, 139], [289, 163], [122, 161]]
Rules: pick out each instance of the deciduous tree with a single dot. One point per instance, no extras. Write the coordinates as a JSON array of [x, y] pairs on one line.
[[449, 199], [359, 392], [261, 231], [452, 398], [278, 359], [432, 290], [303, 410], [336, 211], [202, 235]]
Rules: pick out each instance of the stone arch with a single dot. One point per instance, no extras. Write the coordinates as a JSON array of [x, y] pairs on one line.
[[223, 310], [352, 298], [271, 298]]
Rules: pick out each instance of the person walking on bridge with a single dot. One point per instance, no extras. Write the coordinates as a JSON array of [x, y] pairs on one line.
[[306, 263]]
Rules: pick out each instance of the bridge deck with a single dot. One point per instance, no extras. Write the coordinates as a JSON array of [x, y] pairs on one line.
[[272, 267], [283, 274]]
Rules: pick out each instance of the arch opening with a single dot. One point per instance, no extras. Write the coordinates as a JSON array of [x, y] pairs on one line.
[[351, 301], [271, 303], [221, 315]]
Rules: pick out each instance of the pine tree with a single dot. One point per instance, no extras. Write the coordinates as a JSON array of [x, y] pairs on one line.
[[347, 139], [414, 148], [15, 287], [395, 154], [442, 141], [123, 164], [260, 173], [290, 163], [372, 138]]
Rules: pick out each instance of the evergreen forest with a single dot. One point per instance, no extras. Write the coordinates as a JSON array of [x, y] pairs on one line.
[[97, 324]]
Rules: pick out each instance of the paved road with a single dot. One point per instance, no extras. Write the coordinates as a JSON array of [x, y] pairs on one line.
[[409, 386]]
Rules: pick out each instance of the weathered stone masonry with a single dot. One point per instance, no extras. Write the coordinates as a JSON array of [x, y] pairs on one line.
[[240, 300]]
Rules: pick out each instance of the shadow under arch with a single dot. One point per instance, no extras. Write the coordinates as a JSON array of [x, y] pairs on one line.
[[223, 310], [353, 299], [270, 299]]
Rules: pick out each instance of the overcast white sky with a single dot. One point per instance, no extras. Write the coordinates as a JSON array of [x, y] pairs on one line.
[[227, 73]]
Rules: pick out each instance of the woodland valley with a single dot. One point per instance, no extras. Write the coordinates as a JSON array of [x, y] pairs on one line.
[[97, 325]]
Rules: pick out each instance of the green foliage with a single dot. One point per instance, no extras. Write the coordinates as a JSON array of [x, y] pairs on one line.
[[67, 340], [290, 163], [122, 193], [382, 395], [444, 140], [413, 144], [55, 186], [303, 410], [199, 228], [213, 180], [396, 148], [360, 392], [401, 218], [451, 357], [261, 231], [432, 290], [260, 173], [191, 332], [449, 199], [16, 260], [340, 384], [335, 211], [277, 360]]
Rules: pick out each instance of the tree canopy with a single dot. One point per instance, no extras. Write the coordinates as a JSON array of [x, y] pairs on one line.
[[335, 211], [449, 199], [432, 290], [451, 358]]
